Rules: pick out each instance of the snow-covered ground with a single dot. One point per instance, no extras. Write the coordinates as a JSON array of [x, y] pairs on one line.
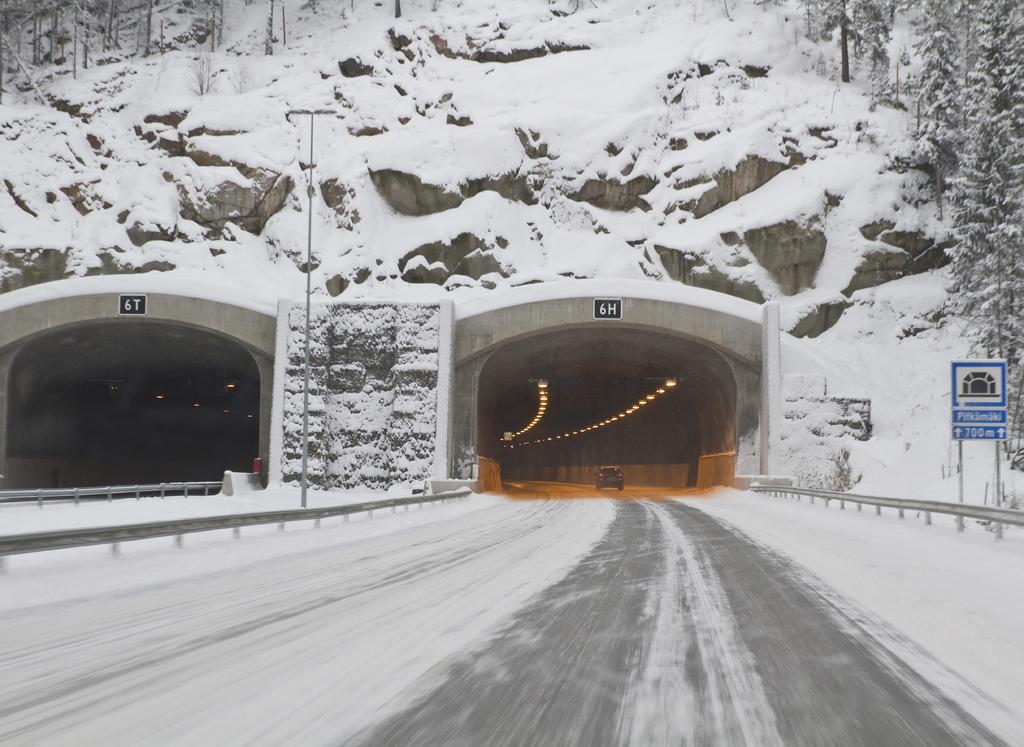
[[41, 577], [955, 596], [294, 638]]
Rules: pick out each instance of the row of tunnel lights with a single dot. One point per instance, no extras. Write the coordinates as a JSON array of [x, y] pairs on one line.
[[542, 407], [542, 389], [227, 387]]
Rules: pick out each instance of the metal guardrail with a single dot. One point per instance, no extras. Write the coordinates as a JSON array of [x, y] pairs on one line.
[[17, 544], [108, 492], [997, 516]]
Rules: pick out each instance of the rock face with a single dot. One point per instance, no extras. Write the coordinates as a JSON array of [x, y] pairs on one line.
[[483, 54], [693, 270], [877, 266], [435, 262], [373, 395], [409, 195], [753, 172], [21, 268], [339, 197], [820, 319], [353, 67], [249, 206], [614, 195], [791, 252]]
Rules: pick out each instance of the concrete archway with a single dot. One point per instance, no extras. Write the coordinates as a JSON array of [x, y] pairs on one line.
[[74, 338], [710, 340]]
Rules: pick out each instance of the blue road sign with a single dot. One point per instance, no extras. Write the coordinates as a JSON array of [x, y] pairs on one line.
[[979, 417], [980, 383], [979, 432]]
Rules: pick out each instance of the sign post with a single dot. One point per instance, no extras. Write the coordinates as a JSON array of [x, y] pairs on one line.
[[978, 410]]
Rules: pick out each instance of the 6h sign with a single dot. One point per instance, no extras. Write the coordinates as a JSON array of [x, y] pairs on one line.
[[607, 308]]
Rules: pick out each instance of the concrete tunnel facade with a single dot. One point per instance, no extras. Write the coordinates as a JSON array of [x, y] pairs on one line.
[[496, 349], [90, 396], [715, 355]]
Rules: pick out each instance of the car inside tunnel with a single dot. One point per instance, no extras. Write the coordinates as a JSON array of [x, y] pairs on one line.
[[130, 402], [557, 406]]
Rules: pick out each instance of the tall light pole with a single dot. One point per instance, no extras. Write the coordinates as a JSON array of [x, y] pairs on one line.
[[309, 280]]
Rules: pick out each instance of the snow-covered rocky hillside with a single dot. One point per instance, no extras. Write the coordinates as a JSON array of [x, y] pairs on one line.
[[487, 144]]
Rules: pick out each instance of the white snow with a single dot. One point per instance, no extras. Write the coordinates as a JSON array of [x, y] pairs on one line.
[[350, 634], [953, 595]]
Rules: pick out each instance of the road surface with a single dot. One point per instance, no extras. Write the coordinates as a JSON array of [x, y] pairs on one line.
[[663, 627]]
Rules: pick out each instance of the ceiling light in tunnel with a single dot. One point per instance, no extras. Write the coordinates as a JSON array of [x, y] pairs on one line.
[[661, 390], [642, 402], [231, 385], [670, 382], [195, 404], [159, 395], [542, 383], [649, 397]]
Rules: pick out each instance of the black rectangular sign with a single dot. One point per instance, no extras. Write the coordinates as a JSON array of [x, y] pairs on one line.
[[131, 305], [607, 308]]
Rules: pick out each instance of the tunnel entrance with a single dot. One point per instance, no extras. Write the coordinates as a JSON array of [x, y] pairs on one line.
[[129, 402], [558, 405]]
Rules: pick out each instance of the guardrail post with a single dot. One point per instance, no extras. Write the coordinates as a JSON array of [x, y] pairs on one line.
[[345, 519], [76, 496], [959, 523], [179, 540], [236, 532], [186, 490], [878, 510], [39, 498], [901, 513], [163, 489], [136, 492], [369, 514], [3, 564], [927, 518], [860, 507], [110, 495], [115, 549], [812, 499], [316, 523], [842, 505], [280, 527], [999, 531]]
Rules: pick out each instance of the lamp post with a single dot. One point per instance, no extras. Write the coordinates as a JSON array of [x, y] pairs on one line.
[[309, 279]]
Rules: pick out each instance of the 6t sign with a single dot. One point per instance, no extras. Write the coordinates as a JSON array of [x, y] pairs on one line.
[[131, 305]]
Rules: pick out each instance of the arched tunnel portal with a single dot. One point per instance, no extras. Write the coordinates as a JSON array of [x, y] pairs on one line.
[[597, 370], [90, 397], [589, 384], [130, 402]]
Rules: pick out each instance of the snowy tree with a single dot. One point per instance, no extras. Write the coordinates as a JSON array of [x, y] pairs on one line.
[[268, 41], [988, 261], [938, 92], [874, 30], [823, 17]]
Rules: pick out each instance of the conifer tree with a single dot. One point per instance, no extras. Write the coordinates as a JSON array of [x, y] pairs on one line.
[[988, 261], [939, 109]]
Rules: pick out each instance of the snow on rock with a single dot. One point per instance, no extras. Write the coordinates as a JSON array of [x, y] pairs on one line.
[[373, 394]]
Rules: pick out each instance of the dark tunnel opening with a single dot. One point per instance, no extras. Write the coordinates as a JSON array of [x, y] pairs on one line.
[[594, 380], [130, 402]]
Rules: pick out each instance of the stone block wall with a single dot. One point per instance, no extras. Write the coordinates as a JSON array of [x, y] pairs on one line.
[[377, 395]]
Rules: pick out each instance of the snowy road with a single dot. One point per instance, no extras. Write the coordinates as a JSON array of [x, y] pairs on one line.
[[529, 622]]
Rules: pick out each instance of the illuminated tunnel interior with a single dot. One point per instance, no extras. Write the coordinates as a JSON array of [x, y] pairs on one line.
[[130, 402], [580, 379]]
